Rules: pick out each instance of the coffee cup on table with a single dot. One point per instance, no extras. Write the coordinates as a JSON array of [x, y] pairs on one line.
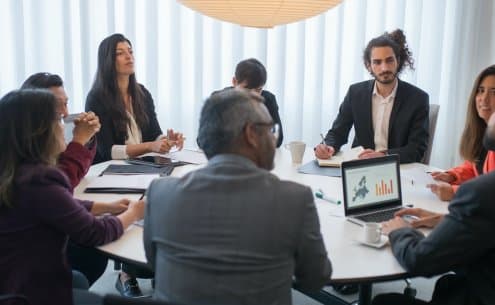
[[372, 232], [296, 149]]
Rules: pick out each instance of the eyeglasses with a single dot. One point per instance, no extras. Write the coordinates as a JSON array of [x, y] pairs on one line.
[[274, 128]]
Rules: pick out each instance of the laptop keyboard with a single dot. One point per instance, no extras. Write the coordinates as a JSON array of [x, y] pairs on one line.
[[379, 216]]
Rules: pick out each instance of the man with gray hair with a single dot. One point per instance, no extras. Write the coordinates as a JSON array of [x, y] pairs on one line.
[[231, 232]]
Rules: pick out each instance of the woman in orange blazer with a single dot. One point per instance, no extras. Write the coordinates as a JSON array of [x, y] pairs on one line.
[[477, 159]]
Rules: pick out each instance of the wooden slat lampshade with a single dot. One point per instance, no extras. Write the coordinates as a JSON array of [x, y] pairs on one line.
[[260, 13]]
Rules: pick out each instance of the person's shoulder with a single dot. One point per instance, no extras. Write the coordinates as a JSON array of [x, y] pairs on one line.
[[267, 95], [407, 87], [367, 84], [482, 185], [95, 92], [290, 190], [41, 175], [163, 184], [93, 99], [148, 98], [475, 197], [144, 89], [164, 181], [270, 101]]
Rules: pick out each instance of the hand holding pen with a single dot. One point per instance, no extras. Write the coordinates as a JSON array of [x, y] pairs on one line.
[[323, 151], [320, 194], [443, 176]]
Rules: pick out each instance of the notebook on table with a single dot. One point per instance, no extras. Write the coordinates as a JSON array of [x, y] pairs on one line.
[[137, 169], [155, 161], [120, 184], [372, 189], [342, 156]]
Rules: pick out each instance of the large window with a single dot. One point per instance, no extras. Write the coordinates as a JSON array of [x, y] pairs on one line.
[[182, 56]]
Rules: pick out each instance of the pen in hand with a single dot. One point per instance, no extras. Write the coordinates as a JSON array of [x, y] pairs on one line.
[[322, 138], [319, 194], [327, 148]]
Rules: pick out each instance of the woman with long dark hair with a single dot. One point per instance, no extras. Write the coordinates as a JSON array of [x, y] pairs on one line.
[[129, 126], [37, 210], [477, 160]]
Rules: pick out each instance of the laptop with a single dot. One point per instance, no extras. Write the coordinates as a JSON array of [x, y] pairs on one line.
[[372, 189]]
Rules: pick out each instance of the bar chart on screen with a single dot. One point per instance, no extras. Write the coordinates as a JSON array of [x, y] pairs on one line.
[[384, 188]]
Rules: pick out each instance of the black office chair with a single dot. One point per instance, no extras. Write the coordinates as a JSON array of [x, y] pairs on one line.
[[16, 299], [112, 299]]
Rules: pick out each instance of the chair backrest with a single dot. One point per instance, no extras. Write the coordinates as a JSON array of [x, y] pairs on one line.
[[112, 299], [434, 108]]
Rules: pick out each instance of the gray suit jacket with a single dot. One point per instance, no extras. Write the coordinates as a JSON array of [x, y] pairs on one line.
[[232, 233]]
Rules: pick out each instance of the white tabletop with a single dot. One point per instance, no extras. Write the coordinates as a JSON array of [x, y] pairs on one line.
[[351, 261]]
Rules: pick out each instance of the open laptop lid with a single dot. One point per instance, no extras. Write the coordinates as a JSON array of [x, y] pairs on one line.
[[371, 184]]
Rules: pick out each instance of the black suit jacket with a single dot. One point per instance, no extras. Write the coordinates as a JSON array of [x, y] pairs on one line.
[[408, 125], [107, 136], [271, 105], [463, 242]]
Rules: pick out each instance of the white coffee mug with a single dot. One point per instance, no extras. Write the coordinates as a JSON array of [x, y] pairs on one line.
[[296, 150], [372, 232]]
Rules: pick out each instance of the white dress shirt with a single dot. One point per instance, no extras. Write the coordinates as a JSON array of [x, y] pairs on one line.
[[134, 136], [381, 110]]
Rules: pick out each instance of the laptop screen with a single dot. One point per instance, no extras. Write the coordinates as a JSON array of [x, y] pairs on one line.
[[371, 183]]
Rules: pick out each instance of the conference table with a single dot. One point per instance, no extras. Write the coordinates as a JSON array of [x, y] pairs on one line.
[[352, 261]]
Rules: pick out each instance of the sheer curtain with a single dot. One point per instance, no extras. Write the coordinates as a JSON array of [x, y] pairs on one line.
[[181, 56]]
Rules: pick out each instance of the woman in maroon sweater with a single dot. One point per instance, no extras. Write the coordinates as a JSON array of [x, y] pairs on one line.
[[37, 210]]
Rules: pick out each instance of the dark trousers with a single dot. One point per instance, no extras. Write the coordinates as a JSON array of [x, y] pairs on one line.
[[84, 297], [136, 271], [87, 261]]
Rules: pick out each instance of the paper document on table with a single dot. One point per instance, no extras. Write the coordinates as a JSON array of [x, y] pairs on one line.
[[120, 184], [189, 156], [341, 156], [416, 177]]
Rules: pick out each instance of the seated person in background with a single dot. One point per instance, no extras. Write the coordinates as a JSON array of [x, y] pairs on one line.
[[129, 124], [78, 157], [37, 210], [251, 74], [461, 242], [389, 116], [216, 235], [125, 108], [477, 159], [431, 219], [75, 162]]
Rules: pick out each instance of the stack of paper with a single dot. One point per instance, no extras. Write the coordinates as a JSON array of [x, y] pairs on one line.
[[341, 156], [416, 177], [189, 156]]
